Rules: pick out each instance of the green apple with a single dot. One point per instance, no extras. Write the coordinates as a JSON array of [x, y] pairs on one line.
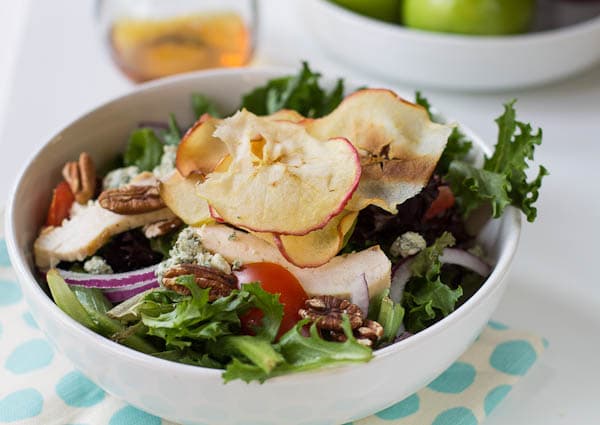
[[484, 17], [386, 10]]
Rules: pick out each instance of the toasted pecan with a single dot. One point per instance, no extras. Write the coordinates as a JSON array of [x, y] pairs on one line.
[[220, 283], [131, 199]]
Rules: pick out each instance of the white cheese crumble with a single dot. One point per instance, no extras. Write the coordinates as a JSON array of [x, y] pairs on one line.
[[119, 177], [167, 161], [407, 244], [97, 265], [188, 249]]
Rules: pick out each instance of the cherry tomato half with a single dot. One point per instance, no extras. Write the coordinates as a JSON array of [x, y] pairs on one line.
[[275, 279], [62, 199]]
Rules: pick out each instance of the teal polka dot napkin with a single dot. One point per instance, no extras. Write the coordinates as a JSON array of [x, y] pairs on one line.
[[38, 386]]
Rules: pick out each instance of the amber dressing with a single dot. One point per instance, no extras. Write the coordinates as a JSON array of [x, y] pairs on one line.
[[147, 49]]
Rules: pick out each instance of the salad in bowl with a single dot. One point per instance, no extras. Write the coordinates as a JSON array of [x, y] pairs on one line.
[[304, 228]]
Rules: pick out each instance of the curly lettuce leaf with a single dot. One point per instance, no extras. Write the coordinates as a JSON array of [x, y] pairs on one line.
[[503, 179], [300, 92], [426, 298], [257, 351], [301, 353], [271, 308]]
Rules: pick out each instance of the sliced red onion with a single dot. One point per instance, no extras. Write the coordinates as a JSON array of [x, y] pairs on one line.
[[465, 259], [118, 286], [359, 294], [106, 281], [400, 277], [122, 294]]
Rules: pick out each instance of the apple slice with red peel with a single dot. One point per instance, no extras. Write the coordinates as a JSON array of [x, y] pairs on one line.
[[291, 184], [399, 145], [215, 216], [200, 152], [179, 195], [319, 246]]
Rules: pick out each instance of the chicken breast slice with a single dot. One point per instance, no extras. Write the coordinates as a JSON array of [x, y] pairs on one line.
[[89, 228]]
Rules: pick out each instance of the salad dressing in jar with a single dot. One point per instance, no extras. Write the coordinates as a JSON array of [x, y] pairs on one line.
[[150, 39]]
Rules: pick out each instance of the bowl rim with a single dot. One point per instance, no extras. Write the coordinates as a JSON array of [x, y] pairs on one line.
[[461, 39], [19, 263]]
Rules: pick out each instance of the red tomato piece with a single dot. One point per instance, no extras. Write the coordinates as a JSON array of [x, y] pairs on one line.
[[444, 201], [62, 199], [275, 279]]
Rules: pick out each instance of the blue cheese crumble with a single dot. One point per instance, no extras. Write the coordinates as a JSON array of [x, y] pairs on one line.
[[407, 244], [167, 161], [119, 177], [97, 265], [188, 249]]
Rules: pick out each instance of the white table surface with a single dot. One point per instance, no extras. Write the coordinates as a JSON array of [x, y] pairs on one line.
[[62, 70]]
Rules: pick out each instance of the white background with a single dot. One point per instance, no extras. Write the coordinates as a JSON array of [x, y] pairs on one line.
[[53, 67]]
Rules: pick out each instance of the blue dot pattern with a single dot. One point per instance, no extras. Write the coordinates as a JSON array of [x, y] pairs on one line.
[[29, 356], [129, 415], [78, 391], [513, 357], [456, 416], [497, 326], [4, 259], [10, 293], [20, 405], [406, 407], [494, 397], [28, 318], [455, 379]]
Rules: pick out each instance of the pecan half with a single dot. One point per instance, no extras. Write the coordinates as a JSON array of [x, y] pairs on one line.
[[81, 177], [327, 311], [221, 284], [131, 199], [161, 227]]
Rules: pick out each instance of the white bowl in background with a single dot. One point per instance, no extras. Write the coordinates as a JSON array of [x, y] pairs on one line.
[[452, 61], [188, 394]]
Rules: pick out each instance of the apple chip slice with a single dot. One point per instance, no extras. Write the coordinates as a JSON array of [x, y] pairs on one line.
[[399, 145], [280, 179], [179, 194], [199, 152], [319, 246]]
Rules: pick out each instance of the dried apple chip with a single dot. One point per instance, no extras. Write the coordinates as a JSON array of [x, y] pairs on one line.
[[199, 152], [319, 246], [179, 194], [399, 145], [290, 184]]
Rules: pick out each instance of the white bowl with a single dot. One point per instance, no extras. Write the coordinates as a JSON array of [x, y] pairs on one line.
[[197, 395], [453, 61]]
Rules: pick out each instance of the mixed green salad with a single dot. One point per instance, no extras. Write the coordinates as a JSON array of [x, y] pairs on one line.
[[171, 252]]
